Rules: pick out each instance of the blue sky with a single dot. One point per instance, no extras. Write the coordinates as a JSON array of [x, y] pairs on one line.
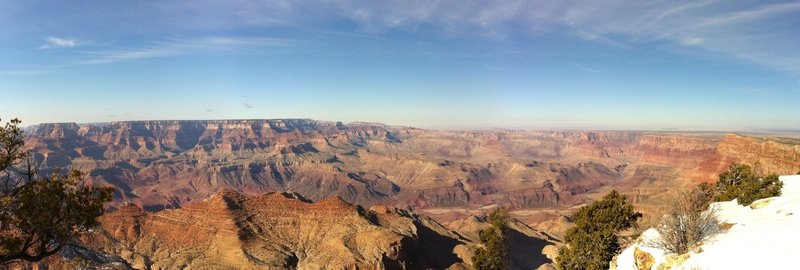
[[695, 65]]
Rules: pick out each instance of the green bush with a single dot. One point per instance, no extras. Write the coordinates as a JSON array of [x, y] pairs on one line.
[[40, 214], [493, 255], [742, 183], [593, 241]]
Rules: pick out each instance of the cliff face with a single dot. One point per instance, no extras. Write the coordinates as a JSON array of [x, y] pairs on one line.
[[674, 150], [165, 164], [274, 231], [776, 155], [162, 164]]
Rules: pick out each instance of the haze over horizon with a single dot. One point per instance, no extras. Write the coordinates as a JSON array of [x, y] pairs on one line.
[[687, 65], [790, 133]]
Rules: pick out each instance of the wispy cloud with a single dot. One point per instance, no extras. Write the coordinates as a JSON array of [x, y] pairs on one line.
[[167, 47], [247, 105], [57, 42], [587, 69], [755, 13], [177, 46], [758, 32], [691, 41], [111, 56], [449, 16]]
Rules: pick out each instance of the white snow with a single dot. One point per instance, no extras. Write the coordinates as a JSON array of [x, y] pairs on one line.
[[763, 238]]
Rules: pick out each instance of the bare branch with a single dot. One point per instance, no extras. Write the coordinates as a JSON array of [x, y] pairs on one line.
[[689, 221]]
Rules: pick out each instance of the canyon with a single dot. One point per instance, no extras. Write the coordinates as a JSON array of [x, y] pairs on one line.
[[283, 193], [165, 164]]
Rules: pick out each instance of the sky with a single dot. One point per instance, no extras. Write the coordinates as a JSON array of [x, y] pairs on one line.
[[562, 64]]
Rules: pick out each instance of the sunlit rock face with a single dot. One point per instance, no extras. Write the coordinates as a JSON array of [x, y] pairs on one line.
[[274, 231]]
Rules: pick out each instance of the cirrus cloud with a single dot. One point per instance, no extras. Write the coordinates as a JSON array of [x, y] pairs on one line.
[[57, 42]]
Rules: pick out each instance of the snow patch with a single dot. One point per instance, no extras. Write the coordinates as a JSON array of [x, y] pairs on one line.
[[763, 236]]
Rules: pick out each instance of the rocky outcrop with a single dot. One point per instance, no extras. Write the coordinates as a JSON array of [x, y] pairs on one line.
[[275, 231]]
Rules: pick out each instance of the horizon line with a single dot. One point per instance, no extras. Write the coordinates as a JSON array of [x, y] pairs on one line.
[[483, 128]]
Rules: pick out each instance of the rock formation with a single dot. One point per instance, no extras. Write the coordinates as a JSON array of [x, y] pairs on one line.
[[165, 164], [273, 231]]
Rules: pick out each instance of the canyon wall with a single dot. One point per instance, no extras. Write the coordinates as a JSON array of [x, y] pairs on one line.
[[165, 164]]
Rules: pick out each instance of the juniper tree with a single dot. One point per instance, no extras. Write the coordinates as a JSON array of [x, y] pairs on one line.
[[493, 254], [40, 214], [742, 183], [593, 241]]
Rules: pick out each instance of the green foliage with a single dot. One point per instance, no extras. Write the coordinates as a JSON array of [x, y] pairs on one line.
[[40, 214], [11, 143], [493, 255], [593, 241], [588, 250], [613, 211], [742, 183], [709, 190]]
